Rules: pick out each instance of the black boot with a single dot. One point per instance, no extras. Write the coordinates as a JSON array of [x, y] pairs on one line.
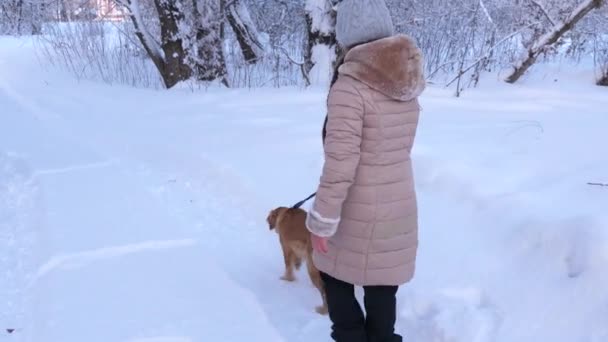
[[381, 312], [344, 311]]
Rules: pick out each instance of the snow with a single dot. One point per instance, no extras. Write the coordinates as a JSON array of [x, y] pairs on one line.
[[20, 215], [136, 215], [320, 13]]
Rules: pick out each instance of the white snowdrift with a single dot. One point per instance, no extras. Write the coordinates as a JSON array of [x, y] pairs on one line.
[[20, 218], [154, 206], [181, 296]]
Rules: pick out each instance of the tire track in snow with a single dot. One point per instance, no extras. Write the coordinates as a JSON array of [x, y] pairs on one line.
[[81, 259]]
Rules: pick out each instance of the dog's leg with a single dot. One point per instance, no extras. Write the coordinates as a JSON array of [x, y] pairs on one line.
[[317, 281], [287, 256], [297, 261]]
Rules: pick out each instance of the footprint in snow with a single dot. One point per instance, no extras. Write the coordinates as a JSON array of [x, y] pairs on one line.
[[450, 315]]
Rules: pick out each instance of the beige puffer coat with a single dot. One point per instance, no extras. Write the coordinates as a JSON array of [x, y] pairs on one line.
[[366, 201]]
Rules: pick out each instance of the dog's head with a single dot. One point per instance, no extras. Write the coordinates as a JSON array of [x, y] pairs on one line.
[[273, 217]]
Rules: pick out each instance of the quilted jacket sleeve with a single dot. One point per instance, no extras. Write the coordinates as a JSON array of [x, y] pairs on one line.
[[342, 152]]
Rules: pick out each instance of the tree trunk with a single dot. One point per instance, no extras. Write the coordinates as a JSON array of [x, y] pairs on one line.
[[168, 56], [320, 51], [551, 37], [603, 81], [175, 67], [190, 40], [19, 11], [37, 11], [246, 33], [65, 11], [210, 63]]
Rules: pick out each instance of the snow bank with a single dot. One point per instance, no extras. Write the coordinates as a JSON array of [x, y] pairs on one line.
[[450, 315], [20, 228], [524, 229], [163, 291]]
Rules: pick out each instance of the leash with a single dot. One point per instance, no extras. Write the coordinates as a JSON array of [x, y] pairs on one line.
[[299, 204]]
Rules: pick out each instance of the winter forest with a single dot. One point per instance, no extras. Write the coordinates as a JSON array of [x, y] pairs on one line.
[[145, 146], [252, 43]]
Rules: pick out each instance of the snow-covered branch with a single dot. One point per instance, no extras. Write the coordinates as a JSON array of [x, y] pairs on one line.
[[551, 37], [150, 44], [246, 31]]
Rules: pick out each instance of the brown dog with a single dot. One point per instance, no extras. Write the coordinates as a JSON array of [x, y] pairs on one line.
[[290, 224]]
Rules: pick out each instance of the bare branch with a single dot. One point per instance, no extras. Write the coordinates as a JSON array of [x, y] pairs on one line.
[[150, 44], [302, 65], [544, 11], [488, 53], [246, 32]]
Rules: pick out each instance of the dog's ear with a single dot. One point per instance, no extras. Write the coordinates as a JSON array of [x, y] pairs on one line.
[[272, 219]]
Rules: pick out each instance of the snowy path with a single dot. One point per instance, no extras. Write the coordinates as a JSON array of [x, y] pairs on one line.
[[101, 216], [146, 211], [83, 259]]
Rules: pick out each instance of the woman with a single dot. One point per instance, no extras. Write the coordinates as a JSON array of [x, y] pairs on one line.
[[364, 218]]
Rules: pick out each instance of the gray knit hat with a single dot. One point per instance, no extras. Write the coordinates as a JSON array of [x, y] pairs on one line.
[[362, 21]]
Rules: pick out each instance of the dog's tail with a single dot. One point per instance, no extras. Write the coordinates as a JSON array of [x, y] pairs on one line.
[[299, 204]]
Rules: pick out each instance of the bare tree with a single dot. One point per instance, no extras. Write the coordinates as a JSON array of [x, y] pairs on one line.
[[601, 48], [190, 42], [206, 54], [603, 81], [549, 38], [167, 53], [18, 17], [65, 10], [603, 66]]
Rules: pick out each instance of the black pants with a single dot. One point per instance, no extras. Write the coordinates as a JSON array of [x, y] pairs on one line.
[[349, 323]]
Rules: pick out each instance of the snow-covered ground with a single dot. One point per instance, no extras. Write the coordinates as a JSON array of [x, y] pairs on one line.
[[133, 215]]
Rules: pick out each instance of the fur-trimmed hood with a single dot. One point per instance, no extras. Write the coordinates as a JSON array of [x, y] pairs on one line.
[[392, 66]]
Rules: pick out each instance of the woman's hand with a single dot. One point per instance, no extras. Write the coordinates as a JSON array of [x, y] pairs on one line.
[[319, 244]]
